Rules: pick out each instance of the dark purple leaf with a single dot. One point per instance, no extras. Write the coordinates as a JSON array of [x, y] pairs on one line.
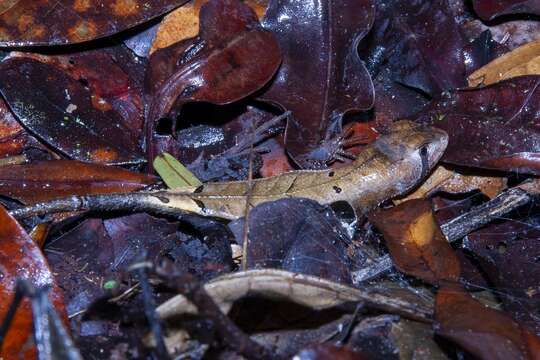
[[231, 58], [495, 127], [59, 110], [422, 43], [490, 9], [47, 22], [509, 254], [322, 76], [297, 235]]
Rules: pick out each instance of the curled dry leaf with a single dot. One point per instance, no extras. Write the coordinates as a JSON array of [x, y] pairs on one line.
[[322, 77], [525, 60], [183, 23], [490, 9], [492, 127], [47, 22], [455, 182], [51, 103], [42, 181], [232, 57], [312, 292], [487, 333], [416, 243], [20, 257]]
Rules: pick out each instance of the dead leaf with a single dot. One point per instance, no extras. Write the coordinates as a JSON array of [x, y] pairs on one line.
[[232, 57], [50, 103], [486, 333], [46, 180], [322, 76], [416, 243], [525, 60], [47, 22], [183, 23], [312, 292], [20, 257]]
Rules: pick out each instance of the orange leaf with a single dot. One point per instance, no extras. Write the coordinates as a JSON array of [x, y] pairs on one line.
[[20, 257], [416, 243]]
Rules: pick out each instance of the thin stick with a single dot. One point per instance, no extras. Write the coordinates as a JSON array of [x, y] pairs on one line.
[[458, 227], [246, 211]]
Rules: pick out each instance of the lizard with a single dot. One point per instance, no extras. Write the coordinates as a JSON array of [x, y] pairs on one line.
[[392, 165]]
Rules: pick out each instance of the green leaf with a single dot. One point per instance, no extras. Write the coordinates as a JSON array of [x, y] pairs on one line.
[[173, 173]]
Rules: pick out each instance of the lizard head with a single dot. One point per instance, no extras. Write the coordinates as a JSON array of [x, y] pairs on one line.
[[406, 139]]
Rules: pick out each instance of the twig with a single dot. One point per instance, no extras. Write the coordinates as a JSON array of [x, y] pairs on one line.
[[246, 211], [150, 309], [231, 334], [458, 227]]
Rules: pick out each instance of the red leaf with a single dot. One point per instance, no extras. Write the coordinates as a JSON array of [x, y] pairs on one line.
[[231, 58], [20, 257], [485, 332], [47, 180]]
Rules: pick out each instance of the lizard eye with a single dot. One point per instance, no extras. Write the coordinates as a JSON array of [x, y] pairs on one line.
[[423, 151]]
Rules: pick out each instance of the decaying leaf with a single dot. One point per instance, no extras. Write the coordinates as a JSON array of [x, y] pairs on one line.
[[30, 22], [416, 242], [487, 333], [490, 9], [492, 127], [455, 182], [41, 181], [320, 42], [309, 291], [183, 23], [525, 60], [20, 257], [50, 103], [296, 235], [232, 57], [173, 173]]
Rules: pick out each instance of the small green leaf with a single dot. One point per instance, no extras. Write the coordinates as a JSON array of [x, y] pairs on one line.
[[173, 173], [110, 285]]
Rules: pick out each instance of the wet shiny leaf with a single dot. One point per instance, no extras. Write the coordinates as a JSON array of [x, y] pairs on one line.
[[322, 76], [45, 22], [493, 127], [486, 333], [231, 58], [47, 180], [416, 243], [20, 257], [51, 104], [490, 9]]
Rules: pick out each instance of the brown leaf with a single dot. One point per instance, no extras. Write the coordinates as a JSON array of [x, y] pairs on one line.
[[416, 242], [60, 111], [12, 135], [42, 181], [322, 77], [183, 23], [47, 22], [20, 257], [525, 60], [487, 333], [231, 58]]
